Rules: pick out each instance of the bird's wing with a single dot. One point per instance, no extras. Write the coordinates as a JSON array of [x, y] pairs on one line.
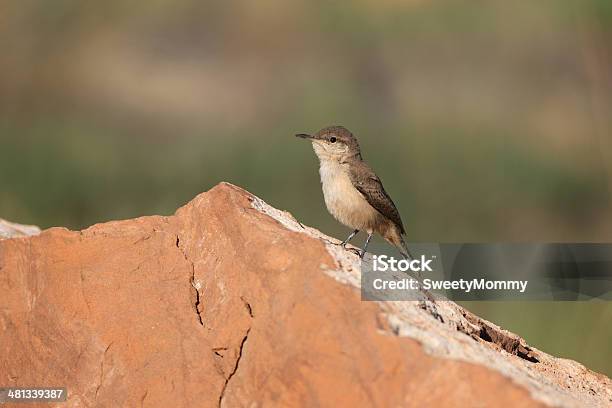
[[369, 185]]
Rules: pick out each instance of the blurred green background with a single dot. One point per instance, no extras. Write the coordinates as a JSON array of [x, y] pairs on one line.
[[488, 121]]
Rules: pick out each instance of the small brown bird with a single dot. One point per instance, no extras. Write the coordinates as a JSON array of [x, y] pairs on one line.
[[353, 193]]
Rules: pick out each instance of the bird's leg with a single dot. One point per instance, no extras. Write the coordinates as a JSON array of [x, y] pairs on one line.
[[365, 246], [346, 241]]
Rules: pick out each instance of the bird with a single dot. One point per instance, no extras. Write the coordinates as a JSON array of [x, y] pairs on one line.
[[353, 193]]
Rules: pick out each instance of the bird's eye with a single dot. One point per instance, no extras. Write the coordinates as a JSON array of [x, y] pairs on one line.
[[332, 139]]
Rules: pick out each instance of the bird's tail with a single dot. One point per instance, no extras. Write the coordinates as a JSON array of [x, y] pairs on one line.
[[403, 248]]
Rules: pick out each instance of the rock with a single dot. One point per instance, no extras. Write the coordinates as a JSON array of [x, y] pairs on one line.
[[10, 230], [231, 302]]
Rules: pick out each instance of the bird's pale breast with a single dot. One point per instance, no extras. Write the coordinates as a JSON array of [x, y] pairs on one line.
[[343, 200]]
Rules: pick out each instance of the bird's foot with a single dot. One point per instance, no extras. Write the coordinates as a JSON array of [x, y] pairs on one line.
[[354, 250], [341, 244]]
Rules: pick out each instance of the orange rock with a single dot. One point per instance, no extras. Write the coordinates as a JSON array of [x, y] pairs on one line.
[[231, 302]]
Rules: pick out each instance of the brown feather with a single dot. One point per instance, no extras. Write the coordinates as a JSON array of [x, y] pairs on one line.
[[369, 185]]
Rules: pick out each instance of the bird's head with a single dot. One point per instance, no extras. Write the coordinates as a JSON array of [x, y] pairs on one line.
[[333, 143]]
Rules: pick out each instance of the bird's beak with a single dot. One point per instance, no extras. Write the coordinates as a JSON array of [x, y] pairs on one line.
[[304, 136]]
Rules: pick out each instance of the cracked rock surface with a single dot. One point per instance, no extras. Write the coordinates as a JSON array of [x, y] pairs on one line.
[[231, 302]]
